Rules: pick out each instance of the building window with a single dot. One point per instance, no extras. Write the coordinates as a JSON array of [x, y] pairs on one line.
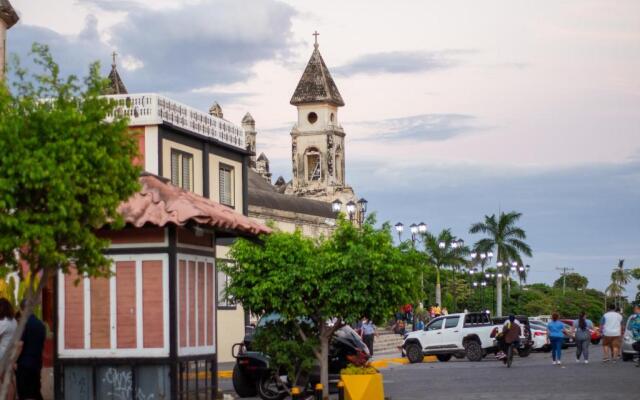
[[224, 299], [314, 170], [226, 185], [182, 169], [312, 117]]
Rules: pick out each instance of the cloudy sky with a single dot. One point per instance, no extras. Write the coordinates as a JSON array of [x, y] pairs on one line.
[[454, 109]]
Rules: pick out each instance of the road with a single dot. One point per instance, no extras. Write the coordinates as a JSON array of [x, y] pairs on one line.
[[529, 378]]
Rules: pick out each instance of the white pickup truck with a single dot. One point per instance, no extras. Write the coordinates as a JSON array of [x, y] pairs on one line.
[[450, 335]]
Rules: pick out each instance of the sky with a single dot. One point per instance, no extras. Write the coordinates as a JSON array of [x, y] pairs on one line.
[[454, 110]]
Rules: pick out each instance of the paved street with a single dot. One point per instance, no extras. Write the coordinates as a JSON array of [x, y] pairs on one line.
[[529, 378]]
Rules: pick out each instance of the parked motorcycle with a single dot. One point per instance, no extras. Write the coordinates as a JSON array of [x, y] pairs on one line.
[[254, 373]]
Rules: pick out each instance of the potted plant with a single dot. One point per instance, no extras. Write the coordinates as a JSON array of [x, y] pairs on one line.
[[362, 383]]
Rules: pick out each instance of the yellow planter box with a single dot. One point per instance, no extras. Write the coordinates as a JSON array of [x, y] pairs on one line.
[[363, 387]]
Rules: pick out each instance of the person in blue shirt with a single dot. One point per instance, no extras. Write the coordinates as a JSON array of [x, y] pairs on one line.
[[634, 327], [555, 332]]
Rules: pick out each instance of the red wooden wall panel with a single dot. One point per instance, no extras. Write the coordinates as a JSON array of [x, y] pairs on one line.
[[126, 304], [192, 303], [100, 315], [152, 304], [74, 312], [182, 278]]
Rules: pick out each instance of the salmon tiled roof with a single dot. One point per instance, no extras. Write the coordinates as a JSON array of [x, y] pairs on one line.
[[159, 203]]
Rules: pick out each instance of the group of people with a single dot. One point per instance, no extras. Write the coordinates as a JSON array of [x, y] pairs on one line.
[[611, 328], [405, 316], [25, 374]]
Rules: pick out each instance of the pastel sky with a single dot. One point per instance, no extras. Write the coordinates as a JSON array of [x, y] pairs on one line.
[[454, 109]]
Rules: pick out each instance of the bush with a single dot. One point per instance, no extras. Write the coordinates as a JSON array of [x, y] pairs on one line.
[[355, 370]]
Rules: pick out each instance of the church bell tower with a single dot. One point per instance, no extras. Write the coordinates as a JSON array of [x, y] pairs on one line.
[[317, 139]]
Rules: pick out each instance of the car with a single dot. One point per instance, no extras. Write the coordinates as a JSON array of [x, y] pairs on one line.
[[628, 352], [595, 332], [526, 338], [459, 335], [568, 339], [539, 337]]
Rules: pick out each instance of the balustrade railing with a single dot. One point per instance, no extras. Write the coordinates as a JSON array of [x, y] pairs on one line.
[[150, 109]]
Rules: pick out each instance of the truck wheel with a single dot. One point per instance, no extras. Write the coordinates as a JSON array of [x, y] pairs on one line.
[[414, 353], [443, 357], [473, 350], [627, 357], [242, 384]]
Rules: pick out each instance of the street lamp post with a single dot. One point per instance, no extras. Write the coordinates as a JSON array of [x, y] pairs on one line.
[[356, 211], [417, 230]]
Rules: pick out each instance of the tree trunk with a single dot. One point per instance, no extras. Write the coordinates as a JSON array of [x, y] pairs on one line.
[[509, 292], [499, 296], [438, 288], [325, 337], [32, 298]]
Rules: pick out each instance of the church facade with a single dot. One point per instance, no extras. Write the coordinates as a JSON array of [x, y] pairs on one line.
[[8, 18]]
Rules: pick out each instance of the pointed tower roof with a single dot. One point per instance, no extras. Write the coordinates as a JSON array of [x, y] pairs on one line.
[[116, 86], [8, 14], [248, 119], [316, 84]]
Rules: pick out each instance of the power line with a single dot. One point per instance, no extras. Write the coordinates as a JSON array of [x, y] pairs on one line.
[[564, 271]]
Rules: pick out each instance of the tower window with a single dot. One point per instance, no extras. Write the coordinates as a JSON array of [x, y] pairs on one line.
[[312, 117], [314, 170], [332, 118]]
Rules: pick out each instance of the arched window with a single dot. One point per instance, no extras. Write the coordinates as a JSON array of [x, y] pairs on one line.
[[313, 164]]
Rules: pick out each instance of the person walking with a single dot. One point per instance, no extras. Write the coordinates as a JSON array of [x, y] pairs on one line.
[[582, 328], [368, 333], [611, 326], [30, 360], [437, 311], [555, 333], [8, 326], [634, 328]]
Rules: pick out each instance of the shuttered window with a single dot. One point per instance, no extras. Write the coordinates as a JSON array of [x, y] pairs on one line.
[[226, 185], [182, 169]]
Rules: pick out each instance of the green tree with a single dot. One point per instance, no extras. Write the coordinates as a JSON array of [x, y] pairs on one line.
[[354, 273], [620, 277], [442, 251], [64, 169], [573, 281], [505, 240]]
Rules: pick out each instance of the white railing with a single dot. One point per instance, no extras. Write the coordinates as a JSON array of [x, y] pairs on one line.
[[153, 109]]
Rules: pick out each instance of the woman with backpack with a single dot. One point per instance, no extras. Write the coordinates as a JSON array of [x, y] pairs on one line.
[[582, 328]]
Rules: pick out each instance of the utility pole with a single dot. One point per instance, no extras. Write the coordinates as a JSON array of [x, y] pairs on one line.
[[564, 271]]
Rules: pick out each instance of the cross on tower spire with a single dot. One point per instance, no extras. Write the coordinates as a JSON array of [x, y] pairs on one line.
[[316, 34], [114, 55]]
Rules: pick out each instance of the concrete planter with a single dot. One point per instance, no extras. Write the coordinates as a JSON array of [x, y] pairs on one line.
[[363, 387]]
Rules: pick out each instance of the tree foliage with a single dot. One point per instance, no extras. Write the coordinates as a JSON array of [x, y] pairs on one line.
[[64, 169], [572, 281], [354, 273]]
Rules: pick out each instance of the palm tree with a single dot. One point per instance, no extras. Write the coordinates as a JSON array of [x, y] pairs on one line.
[[620, 277], [505, 240], [442, 251]]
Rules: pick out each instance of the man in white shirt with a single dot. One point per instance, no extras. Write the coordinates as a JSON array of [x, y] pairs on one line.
[[611, 327]]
